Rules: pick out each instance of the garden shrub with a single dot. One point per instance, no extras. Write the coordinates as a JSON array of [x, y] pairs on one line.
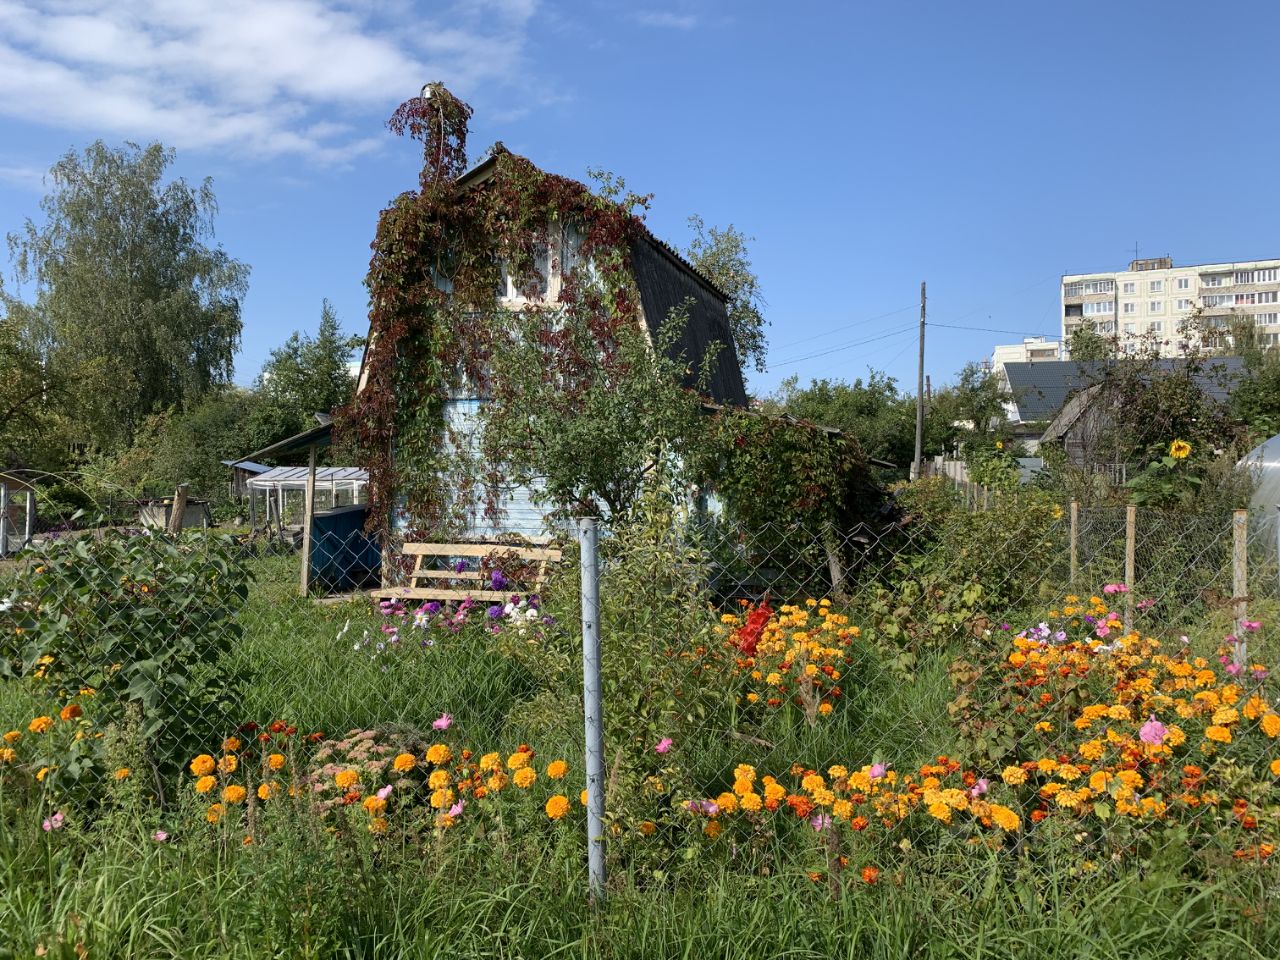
[[109, 622]]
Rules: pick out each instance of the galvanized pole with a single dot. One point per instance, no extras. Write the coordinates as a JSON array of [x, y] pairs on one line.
[[29, 525], [4, 519], [1240, 582], [1130, 561], [588, 540]]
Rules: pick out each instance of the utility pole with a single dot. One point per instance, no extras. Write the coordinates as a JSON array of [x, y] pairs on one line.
[[918, 465]]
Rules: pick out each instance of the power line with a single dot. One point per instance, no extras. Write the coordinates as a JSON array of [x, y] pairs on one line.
[[957, 326], [852, 323], [845, 346]]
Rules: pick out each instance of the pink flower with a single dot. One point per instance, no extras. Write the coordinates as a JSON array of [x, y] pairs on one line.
[[1234, 669], [1153, 732], [1115, 588], [385, 792], [54, 822], [663, 745], [820, 822], [456, 809], [877, 771], [1251, 625], [980, 788], [442, 722], [159, 836]]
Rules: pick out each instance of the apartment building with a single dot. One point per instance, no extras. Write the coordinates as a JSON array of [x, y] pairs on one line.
[[1150, 302], [1029, 350]]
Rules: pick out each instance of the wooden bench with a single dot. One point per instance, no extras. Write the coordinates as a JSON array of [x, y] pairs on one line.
[[421, 575]]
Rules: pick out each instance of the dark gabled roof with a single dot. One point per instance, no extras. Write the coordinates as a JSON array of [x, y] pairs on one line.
[[1041, 388], [665, 285]]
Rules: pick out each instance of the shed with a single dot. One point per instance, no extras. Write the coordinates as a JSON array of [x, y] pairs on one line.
[[242, 471]]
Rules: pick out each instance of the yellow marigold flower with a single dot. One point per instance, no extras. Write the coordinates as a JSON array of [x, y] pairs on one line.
[[70, 712], [1047, 765], [202, 765], [444, 821], [812, 782], [267, 790], [439, 753], [442, 798], [490, 761], [1091, 749], [940, 811], [727, 802], [346, 779], [1044, 726], [744, 771], [752, 802], [439, 779], [1255, 707], [497, 780], [123, 773], [378, 825], [206, 783], [42, 773], [1098, 781], [1225, 715], [556, 769], [374, 805], [557, 806], [838, 772], [404, 762], [524, 777], [13, 736], [647, 827], [231, 745], [1130, 778], [1119, 712], [712, 829], [1068, 771], [582, 798], [1179, 449], [1175, 736], [214, 813], [1271, 725], [8, 755], [233, 793], [1275, 768], [841, 808], [1218, 734], [518, 760], [228, 764], [753, 697], [275, 761], [825, 708], [40, 725], [1004, 818], [1014, 776], [742, 787], [774, 791]]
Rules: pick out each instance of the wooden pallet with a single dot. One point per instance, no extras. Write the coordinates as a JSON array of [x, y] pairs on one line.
[[422, 576]]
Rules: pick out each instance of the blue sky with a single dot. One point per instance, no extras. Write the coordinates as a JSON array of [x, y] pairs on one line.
[[986, 148]]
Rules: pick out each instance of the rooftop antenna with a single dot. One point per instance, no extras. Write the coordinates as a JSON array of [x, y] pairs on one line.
[[1135, 243]]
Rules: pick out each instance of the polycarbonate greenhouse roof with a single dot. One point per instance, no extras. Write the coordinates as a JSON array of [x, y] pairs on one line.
[[295, 478]]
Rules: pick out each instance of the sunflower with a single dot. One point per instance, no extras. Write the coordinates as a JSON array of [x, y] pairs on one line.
[[1179, 449]]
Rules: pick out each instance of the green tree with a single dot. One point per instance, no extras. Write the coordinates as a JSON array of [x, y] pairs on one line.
[[973, 407], [306, 375], [32, 434], [874, 412], [1085, 344], [722, 255], [133, 306]]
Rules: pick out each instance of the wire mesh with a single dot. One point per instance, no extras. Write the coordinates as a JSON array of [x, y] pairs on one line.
[[936, 691]]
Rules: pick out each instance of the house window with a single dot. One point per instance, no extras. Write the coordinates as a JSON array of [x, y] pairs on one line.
[[1269, 296], [1130, 308], [1184, 304], [1130, 287], [1155, 326], [1099, 286], [1269, 339], [1155, 306], [1155, 286], [1184, 283], [1072, 289], [1214, 280], [1096, 309], [1131, 328], [1217, 299], [1266, 319]]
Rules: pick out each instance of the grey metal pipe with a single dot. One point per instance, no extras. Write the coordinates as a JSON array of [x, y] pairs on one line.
[[588, 541]]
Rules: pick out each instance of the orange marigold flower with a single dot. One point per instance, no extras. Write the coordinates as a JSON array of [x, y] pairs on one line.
[[1218, 734], [870, 874], [41, 725], [233, 793], [228, 764], [275, 761], [524, 777], [859, 823], [13, 736], [123, 773], [647, 827], [439, 753], [202, 765], [557, 806], [375, 805], [71, 711], [214, 813], [556, 769], [404, 762], [205, 784], [1271, 725], [231, 745]]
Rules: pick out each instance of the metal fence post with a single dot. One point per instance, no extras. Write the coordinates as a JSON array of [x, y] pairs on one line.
[[588, 540], [1075, 542], [29, 523], [1130, 561], [4, 519], [1240, 581]]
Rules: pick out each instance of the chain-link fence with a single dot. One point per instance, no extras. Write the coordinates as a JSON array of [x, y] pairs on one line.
[[1026, 687]]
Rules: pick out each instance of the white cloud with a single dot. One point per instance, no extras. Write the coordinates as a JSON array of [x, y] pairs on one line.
[[665, 18], [30, 178], [261, 77]]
